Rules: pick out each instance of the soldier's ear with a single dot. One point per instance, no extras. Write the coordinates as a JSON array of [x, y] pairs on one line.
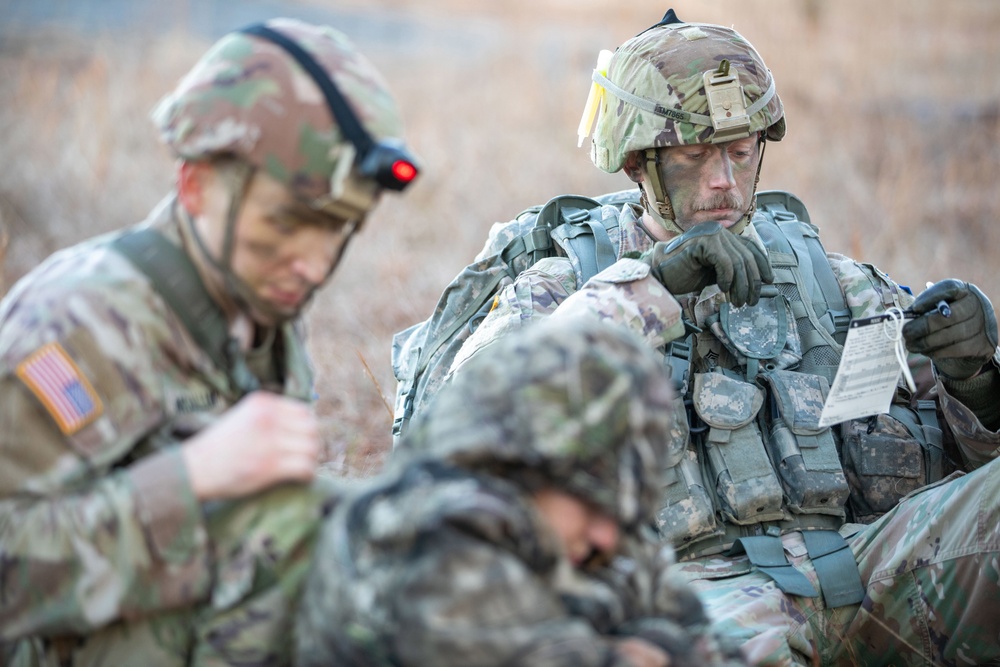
[[633, 166], [192, 181]]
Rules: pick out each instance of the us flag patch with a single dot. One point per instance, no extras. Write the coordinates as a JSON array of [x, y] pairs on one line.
[[58, 383]]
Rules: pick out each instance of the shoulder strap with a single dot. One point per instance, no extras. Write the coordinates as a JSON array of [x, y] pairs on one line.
[[790, 216], [175, 278]]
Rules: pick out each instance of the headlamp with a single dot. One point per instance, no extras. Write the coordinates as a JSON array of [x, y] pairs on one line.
[[387, 162]]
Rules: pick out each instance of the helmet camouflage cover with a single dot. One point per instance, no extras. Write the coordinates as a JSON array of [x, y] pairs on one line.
[[575, 403], [247, 97], [655, 92]]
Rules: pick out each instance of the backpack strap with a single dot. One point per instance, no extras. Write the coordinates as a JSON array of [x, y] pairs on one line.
[[176, 280], [567, 219], [829, 305]]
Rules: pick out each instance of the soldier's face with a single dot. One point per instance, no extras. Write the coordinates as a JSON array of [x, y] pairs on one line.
[[708, 182], [585, 532], [282, 251]]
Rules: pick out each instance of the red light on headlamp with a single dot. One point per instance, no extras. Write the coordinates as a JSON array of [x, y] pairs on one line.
[[404, 171]]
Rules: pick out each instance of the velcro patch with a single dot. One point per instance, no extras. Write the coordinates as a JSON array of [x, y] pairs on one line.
[[57, 382]]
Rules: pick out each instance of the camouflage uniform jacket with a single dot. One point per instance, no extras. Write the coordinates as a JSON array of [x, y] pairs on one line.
[[431, 564], [100, 382], [628, 293]]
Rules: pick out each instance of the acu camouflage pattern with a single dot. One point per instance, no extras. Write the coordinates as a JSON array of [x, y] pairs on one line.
[[444, 559], [666, 65], [101, 538], [247, 97]]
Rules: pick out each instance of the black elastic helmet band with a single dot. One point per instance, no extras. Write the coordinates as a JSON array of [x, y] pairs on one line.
[[388, 164], [669, 18]]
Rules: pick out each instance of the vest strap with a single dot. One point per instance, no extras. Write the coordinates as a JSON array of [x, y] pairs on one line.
[[176, 280], [836, 568], [768, 555]]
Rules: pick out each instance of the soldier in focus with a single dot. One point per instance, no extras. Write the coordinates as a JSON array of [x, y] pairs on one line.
[[794, 535], [157, 444], [513, 525]]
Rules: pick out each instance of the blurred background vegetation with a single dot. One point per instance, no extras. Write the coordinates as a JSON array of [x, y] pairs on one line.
[[893, 115]]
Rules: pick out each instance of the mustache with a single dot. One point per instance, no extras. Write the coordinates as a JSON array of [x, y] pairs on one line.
[[722, 200]]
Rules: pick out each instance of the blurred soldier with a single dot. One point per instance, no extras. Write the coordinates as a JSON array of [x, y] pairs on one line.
[[156, 439], [513, 526], [751, 314]]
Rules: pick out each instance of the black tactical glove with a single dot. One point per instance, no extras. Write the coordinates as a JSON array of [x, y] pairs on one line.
[[961, 343], [709, 254]]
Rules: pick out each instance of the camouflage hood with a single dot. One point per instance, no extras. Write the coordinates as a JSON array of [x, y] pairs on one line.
[[574, 403]]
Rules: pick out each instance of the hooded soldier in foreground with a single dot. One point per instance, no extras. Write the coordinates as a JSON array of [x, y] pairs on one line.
[[514, 524]]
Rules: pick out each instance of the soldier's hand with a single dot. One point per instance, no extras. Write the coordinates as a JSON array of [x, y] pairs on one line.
[[263, 440], [709, 254], [642, 653], [961, 343]]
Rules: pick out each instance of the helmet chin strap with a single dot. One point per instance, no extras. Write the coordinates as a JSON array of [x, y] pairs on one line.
[[242, 296], [656, 202]]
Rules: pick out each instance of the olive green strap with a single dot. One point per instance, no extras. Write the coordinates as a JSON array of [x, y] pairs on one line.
[[836, 568], [768, 555], [176, 279]]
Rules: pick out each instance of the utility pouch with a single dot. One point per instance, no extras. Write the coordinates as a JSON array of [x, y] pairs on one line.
[[885, 459], [746, 484], [755, 333], [687, 515], [806, 455]]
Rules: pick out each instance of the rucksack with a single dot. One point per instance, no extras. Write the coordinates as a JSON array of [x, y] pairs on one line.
[[582, 228]]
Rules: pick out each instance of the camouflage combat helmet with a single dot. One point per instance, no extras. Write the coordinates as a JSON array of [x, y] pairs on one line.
[[678, 84], [250, 98], [575, 403]]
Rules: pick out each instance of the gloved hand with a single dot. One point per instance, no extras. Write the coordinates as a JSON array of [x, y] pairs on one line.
[[709, 254], [960, 344]]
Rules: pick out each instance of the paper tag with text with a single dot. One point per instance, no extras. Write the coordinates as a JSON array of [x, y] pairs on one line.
[[869, 370]]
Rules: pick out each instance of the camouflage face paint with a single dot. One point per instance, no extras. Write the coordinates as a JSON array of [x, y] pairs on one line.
[[706, 182]]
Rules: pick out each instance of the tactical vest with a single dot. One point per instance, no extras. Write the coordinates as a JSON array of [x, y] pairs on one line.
[[754, 381]]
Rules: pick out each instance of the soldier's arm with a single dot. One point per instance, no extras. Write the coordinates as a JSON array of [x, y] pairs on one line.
[[82, 544], [627, 293], [870, 292]]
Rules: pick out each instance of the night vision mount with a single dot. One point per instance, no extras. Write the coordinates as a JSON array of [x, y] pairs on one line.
[[386, 162]]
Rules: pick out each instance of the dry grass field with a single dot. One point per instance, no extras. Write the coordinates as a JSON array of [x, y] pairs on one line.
[[893, 142]]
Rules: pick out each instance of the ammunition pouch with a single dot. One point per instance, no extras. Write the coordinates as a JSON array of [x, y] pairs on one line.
[[805, 455], [888, 456], [747, 488]]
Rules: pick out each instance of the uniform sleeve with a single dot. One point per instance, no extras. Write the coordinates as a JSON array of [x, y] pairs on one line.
[[96, 524], [534, 294], [627, 293], [961, 403]]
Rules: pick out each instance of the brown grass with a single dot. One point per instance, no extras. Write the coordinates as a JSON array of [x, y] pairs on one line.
[[894, 143]]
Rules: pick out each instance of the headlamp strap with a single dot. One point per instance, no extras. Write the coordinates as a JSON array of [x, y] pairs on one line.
[[346, 119]]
